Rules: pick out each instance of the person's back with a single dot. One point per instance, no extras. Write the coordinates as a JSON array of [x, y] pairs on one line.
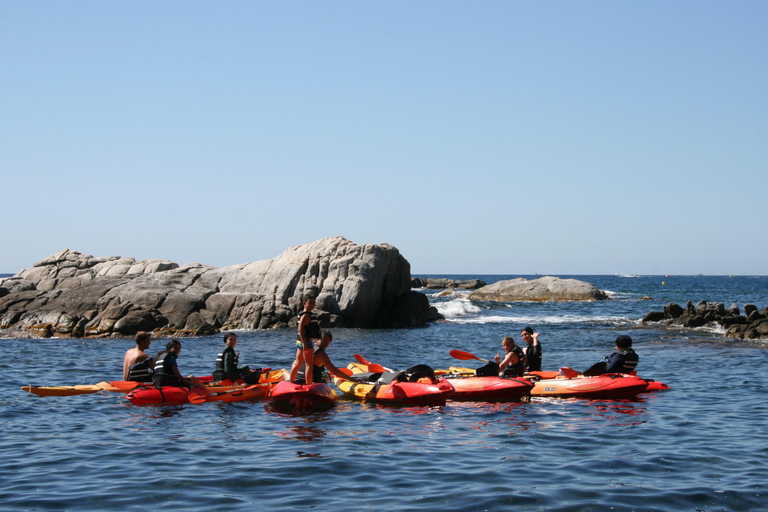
[[624, 360], [137, 355]]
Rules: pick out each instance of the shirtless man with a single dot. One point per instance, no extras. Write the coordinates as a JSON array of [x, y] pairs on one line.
[[136, 354]]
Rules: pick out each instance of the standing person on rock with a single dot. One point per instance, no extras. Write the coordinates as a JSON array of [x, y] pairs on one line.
[[138, 365], [532, 349], [309, 330]]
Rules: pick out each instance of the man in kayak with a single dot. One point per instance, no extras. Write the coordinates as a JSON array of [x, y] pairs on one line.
[[167, 372], [513, 363], [321, 362], [309, 330], [532, 349], [624, 360], [226, 364], [137, 365]]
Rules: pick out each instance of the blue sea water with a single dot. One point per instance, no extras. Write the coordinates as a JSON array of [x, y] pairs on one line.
[[700, 446]]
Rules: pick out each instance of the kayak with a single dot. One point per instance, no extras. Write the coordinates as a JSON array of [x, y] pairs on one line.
[[83, 389], [252, 392], [290, 396], [609, 385], [393, 387], [150, 395], [488, 389], [576, 385]]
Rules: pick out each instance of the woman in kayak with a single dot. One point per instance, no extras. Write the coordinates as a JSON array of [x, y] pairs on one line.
[[322, 362], [167, 372], [309, 330], [532, 349]]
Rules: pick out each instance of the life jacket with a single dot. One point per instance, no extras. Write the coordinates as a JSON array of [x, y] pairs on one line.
[[164, 375], [312, 329], [533, 357], [630, 360], [414, 373], [140, 372], [517, 369], [220, 373]]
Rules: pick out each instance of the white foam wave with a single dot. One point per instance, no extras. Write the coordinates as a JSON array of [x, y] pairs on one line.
[[460, 307], [546, 320]]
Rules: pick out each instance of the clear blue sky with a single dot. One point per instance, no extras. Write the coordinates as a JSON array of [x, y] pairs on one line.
[[506, 137]]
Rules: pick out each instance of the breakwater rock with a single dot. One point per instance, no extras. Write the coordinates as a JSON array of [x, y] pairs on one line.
[[433, 283], [752, 324], [542, 289], [74, 294]]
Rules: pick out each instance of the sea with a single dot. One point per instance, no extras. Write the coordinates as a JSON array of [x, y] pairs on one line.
[[700, 446]]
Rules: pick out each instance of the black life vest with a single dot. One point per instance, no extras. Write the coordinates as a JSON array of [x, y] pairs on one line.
[[517, 369], [164, 375], [312, 329], [220, 373], [140, 372]]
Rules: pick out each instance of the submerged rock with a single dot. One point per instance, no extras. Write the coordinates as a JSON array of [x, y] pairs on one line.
[[542, 289], [73, 294]]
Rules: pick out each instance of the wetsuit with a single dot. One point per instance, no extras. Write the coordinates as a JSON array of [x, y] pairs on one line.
[[164, 374], [140, 372], [623, 361], [533, 357], [517, 369], [318, 372]]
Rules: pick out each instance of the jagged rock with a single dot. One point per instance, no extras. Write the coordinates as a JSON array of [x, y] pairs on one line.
[[653, 316], [673, 310], [544, 288], [755, 325], [76, 294]]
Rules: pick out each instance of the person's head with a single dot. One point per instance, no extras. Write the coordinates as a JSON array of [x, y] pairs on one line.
[[508, 343], [173, 346], [527, 334], [623, 342], [142, 340], [308, 299], [230, 339], [325, 338]]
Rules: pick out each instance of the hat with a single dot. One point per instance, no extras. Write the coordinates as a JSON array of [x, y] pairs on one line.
[[624, 341]]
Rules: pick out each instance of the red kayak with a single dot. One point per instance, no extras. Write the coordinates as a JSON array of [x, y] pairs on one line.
[[150, 395], [302, 397], [489, 389]]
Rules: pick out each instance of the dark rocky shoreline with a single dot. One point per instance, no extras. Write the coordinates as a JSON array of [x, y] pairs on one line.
[[752, 324]]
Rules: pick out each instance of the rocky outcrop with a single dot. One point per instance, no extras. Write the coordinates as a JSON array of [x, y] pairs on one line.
[[752, 324], [72, 294], [542, 289], [434, 283]]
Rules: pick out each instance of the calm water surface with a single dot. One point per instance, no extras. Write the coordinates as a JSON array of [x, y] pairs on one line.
[[700, 446]]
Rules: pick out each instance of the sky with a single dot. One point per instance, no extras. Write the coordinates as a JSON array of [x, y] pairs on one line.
[[494, 137]]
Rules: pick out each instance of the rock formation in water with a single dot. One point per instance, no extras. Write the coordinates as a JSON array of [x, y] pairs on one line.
[[752, 324], [542, 289], [434, 283], [73, 294]]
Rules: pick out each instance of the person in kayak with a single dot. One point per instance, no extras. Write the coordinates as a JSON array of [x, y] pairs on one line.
[[532, 349], [513, 363], [226, 364], [138, 365], [167, 371], [624, 360], [321, 362], [309, 330]]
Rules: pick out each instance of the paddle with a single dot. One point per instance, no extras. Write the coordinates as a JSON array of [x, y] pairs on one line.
[[465, 356], [372, 367]]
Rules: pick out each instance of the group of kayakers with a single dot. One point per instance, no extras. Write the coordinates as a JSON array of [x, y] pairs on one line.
[[311, 345]]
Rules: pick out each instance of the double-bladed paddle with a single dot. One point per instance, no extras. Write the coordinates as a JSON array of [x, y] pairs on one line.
[[373, 367]]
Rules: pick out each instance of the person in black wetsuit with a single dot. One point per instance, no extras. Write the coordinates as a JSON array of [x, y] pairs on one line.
[[226, 364], [532, 349], [321, 362], [309, 330], [513, 363], [624, 360], [167, 372]]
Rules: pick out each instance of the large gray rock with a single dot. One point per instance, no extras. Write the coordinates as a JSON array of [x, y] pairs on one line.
[[544, 288], [70, 293]]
